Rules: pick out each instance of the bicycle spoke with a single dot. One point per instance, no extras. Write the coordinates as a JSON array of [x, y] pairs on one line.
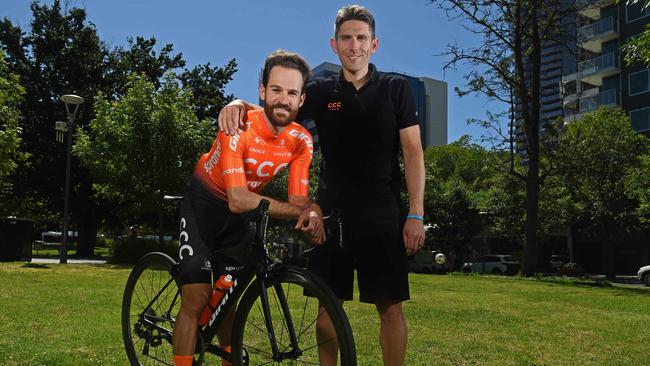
[[310, 324], [249, 347], [316, 345]]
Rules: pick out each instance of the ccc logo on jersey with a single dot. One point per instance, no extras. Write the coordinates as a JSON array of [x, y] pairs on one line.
[[334, 106]]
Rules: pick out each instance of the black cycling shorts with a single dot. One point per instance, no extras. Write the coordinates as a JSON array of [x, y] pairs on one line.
[[208, 225], [373, 245]]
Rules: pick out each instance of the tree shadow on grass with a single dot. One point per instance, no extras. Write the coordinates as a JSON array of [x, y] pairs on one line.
[[35, 265]]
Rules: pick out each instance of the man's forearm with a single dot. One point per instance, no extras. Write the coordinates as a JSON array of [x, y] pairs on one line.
[[415, 176], [414, 166], [241, 200]]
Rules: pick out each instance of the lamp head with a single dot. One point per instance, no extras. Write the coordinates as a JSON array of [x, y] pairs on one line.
[[72, 99]]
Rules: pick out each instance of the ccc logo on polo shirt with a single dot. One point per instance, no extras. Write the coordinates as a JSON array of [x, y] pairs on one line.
[[334, 106]]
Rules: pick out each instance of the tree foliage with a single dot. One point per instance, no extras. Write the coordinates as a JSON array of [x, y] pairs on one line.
[[506, 66], [144, 145], [61, 53], [637, 186], [596, 156], [10, 96]]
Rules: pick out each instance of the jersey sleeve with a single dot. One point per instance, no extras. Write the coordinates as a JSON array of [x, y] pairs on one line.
[[299, 168], [406, 111], [231, 164]]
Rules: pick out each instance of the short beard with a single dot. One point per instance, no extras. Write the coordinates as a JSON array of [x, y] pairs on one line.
[[276, 122]]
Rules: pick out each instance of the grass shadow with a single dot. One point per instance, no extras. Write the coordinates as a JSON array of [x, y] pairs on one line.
[[35, 265]]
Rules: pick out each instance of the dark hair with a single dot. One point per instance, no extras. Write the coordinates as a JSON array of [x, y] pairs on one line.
[[354, 12], [286, 59]]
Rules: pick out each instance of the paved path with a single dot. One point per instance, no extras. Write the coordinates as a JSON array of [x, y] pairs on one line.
[[70, 260]]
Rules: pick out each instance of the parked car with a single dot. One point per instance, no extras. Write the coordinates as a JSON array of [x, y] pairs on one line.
[[427, 261], [495, 264], [644, 275]]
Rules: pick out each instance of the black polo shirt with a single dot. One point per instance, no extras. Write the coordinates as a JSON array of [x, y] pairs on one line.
[[358, 132]]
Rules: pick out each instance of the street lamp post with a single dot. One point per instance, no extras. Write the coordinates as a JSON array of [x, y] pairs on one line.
[[69, 100], [483, 215]]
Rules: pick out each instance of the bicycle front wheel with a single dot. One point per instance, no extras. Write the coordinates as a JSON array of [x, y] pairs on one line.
[[293, 317], [151, 301]]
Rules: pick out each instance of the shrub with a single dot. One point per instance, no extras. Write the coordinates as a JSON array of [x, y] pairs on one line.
[[571, 269], [129, 251]]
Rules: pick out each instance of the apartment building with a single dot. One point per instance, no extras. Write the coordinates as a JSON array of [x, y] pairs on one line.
[[602, 78]]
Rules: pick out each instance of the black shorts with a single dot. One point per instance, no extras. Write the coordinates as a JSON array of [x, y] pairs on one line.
[[373, 245], [208, 225]]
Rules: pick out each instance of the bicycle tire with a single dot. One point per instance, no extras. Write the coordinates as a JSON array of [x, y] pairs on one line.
[[250, 342], [145, 344]]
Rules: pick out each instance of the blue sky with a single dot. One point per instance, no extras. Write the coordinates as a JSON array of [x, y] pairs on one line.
[[411, 34]]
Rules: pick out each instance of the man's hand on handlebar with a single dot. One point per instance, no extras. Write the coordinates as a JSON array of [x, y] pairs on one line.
[[310, 222]]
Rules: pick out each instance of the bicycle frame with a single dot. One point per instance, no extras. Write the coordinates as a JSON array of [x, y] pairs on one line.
[[260, 267]]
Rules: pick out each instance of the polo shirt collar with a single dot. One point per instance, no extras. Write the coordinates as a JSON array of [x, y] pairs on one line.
[[372, 70]]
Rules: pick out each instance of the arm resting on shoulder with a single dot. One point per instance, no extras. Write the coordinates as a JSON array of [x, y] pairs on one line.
[[232, 117]]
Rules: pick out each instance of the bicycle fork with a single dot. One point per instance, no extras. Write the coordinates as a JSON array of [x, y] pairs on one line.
[[295, 351]]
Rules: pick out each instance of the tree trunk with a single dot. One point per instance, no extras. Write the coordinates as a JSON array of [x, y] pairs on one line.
[[86, 221], [531, 247], [609, 248], [161, 229]]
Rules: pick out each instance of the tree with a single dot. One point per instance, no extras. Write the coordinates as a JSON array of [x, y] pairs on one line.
[[637, 48], [207, 84], [10, 96], [506, 66], [144, 145], [637, 186], [596, 156], [455, 174], [61, 53]]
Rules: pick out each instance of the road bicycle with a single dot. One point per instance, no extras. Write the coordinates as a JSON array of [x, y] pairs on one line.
[[277, 307]]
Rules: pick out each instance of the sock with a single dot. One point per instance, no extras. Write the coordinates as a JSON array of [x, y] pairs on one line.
[[224, 362], [183, 360]]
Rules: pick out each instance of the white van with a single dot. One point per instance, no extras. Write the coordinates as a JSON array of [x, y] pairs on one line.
[[427, 261]]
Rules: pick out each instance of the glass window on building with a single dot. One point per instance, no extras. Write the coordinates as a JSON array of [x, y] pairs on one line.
[[636, 11], [639, 82], [640, 119]]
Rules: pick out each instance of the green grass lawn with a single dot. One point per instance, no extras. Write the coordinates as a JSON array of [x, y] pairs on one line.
[[50, 252], [70, 315]]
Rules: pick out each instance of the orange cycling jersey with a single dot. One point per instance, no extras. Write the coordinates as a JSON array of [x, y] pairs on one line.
[[252, 158]]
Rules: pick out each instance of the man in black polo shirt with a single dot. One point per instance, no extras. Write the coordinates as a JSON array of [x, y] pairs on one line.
[[363, 117]]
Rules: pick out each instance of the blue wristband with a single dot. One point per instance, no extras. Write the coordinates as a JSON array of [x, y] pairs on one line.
[[415, 217]]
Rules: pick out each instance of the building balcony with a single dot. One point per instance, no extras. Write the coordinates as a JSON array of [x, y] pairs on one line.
[[591, 8], [593, 71], [551, 115], [593, 36], [609, 97]]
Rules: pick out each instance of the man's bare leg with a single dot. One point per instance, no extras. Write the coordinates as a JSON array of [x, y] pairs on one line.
[[392, 332], [328, 345], [224, 333], [193, 301]]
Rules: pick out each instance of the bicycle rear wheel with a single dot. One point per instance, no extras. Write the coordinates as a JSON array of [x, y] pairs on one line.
[[151, 302], [250, 338]]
